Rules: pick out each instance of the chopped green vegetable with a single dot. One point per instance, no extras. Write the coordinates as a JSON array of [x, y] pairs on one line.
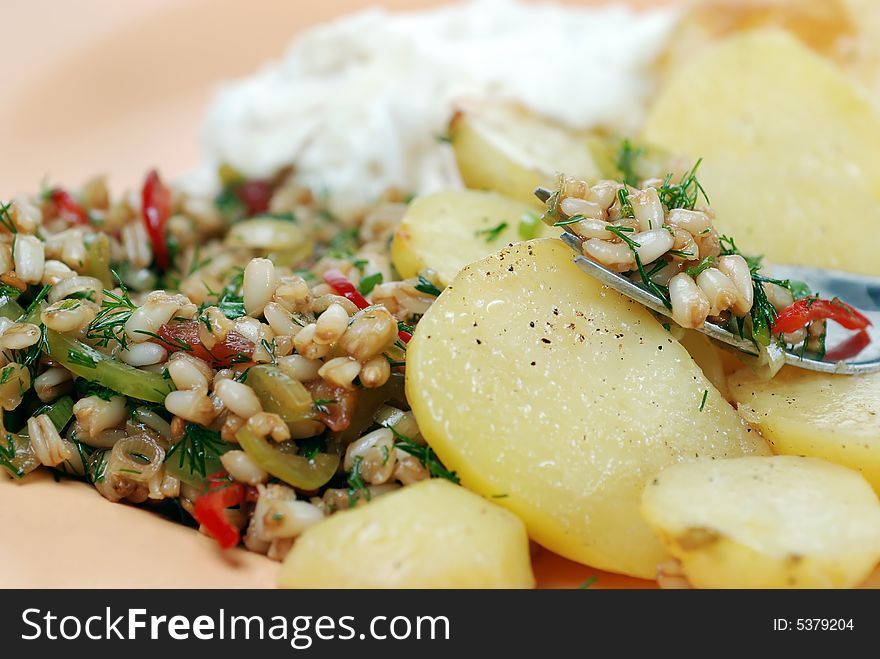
[[627, 157], [683, 194], [528, 227], [295, 470], [492, 233], [368, 283], [85, 361], [703, 265]]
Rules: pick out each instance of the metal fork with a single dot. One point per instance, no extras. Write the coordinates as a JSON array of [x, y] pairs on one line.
[[859, 291]]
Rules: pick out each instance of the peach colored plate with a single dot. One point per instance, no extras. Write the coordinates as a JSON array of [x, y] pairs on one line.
[[99, 86]]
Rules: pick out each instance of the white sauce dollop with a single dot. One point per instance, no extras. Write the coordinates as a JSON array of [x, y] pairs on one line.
[[357, 104]]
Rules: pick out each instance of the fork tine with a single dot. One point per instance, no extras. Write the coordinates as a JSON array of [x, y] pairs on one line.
[[543, 194]]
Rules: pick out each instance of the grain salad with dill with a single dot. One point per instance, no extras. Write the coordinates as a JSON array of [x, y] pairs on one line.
[[241, 356]]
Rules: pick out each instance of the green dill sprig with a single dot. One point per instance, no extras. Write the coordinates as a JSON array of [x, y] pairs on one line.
[[425, 455], [574, 219], [174, 342], [426, 287], [492, 233], [7, 458], [763, 313], [649, 283], [627, 156], [6, 218], [626, 209], [196, 447], [81, 359], [356, 485], [703, 402], [108, 324], [695, 270], [683, 194]]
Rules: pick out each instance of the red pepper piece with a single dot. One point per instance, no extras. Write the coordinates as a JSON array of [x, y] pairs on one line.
[[255, 195], [340, 283], [68, 208], [155, 210], [806, 310], [234, 349], [849, 348], [210, 510]]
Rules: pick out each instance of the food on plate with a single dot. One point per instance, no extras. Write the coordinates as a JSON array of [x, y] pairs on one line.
[[833, 417], [445, 231], [327, 350], [757, 522], [431, 535], [560, 399], [505, 148], [659, 232], [784, 162]]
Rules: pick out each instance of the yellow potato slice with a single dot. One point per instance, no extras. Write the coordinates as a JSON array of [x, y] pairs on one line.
[[790, 150], [834, 417], [562, 398], [778, 522], [447, 230], [502, 147], [429, 535]]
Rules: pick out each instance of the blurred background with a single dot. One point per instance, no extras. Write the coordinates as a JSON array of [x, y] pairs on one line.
[[102, 86]]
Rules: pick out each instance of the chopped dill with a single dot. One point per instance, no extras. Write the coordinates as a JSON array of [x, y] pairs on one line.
[[685, 193], [626, 209], [588, 582], [196, 447], [627, 155], [649, 283], [6, 218], [109, 322], [7, 455], [574, 219], [81, 359], [703, 402], [492, 233], [425, 455], [426, 287], [356, 483], [703, 265]]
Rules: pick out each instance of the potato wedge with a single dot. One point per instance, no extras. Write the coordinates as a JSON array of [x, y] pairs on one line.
[[502, 147], [447, 230], [429, 535], [562, 399], [778, 522], [833, 417], [746, 107]]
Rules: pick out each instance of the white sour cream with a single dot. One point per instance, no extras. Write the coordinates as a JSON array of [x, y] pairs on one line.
[[357, 104]]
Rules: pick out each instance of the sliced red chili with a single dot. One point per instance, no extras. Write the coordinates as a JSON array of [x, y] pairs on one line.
[[255, 195], [155, 210], [210, 510], [68, 208], [184, 335], [340, 283], [809, 309]]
